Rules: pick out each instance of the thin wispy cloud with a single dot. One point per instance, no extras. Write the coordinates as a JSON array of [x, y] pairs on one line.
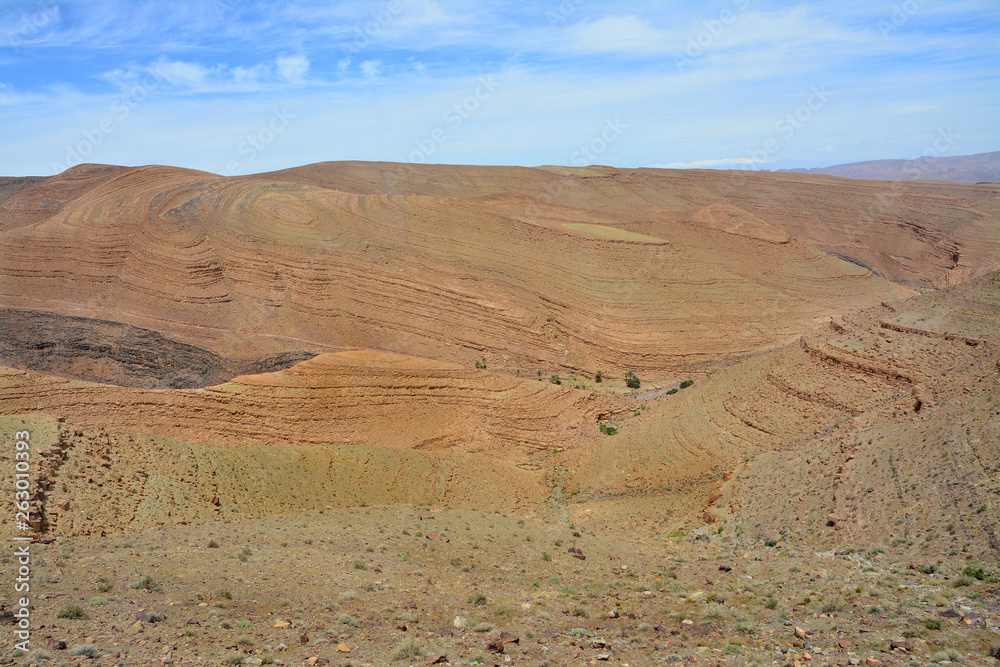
[[697, 84]]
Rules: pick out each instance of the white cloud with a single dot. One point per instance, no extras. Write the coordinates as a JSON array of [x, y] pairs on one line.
[[371, 68], [619, 33], [293, 67]]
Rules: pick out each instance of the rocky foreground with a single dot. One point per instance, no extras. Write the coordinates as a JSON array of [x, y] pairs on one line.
[[421, 585]]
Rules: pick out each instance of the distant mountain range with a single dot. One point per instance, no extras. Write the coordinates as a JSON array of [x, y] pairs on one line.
[[967, 168]]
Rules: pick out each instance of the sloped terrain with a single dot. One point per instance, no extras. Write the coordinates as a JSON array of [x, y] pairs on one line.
[[536, 269], [313, 416], [883, 429], [982, 167]]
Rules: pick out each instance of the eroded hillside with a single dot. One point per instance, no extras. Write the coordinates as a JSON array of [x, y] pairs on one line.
[[537, 270]]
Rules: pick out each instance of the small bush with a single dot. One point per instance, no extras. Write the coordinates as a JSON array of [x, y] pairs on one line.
[[74, 612], [974, 571], [932, 623], [554, 379], [632, 380], [145, 583], [686, 384], [771, 603], [212, 544], [831, 605], [546, 556], [244, 555], [482, 627], [98, 601], [226, 594], [408, 649], [86, 651], [599, 377], [671, 391], [580, 632], [244, 642], [360, 565], [478, 599], [233, 659], [964, 580], [580, 612], [349, 621]]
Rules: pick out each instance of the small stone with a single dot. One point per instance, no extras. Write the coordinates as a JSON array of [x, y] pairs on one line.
[[437, 658], [598, 642], [613, 613], [343, 648], [603, 656], [872, 661], [280, 624], [460, 622], [687, 622], [216, 501], [312, 661], [57, 645], [800, 633], [134, 629]]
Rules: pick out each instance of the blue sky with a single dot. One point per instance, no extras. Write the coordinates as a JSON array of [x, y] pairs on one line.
[[236, 87]]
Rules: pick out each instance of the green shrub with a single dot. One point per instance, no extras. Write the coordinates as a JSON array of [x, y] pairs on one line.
[[477, 599], [554, 379], [598, 377], [98, 601], [349, 621], [672, 391], [408, 649], [771, 603], [932, 623], [974, 571], [74, 612], [86, 651], [632, 380], [145, 583], [686, 384]]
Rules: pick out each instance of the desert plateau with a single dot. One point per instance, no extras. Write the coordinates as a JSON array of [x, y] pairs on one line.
[[361, 413]]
